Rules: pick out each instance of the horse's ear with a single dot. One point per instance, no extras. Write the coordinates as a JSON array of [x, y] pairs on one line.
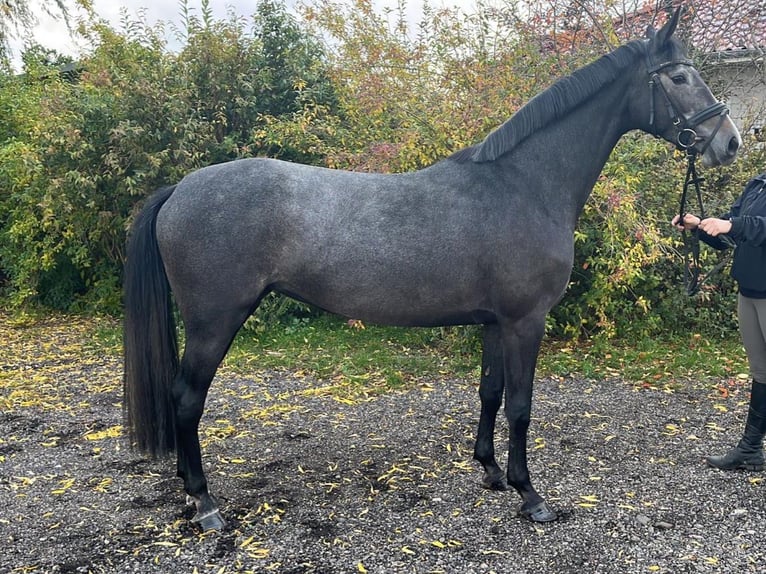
[[650, 32], [670, 26]]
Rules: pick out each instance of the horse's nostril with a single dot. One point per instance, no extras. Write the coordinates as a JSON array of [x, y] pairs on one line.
[[733, 146]]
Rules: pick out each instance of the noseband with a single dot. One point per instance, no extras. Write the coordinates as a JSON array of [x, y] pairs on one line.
[[686, 136]]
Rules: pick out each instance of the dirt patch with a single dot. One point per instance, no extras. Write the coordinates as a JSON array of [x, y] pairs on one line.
[[312, 483]]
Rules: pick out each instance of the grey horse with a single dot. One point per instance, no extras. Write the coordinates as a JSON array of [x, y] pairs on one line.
[[484, 236]]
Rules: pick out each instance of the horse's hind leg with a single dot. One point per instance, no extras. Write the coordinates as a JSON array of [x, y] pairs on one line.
[[491, 395], [206, 344]]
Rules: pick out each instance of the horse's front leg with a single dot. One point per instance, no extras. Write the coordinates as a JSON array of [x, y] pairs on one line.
[[491, 394], [521, 344]]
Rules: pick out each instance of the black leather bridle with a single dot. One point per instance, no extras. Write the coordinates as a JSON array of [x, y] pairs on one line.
[[686, 138]]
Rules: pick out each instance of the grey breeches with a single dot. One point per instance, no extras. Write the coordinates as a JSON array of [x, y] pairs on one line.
[[752, 327]]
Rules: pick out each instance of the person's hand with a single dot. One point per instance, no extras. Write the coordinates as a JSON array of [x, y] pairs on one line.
[[690, 222], [714, 226]]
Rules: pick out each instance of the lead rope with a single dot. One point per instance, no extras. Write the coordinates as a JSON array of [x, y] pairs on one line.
[[691, 240]]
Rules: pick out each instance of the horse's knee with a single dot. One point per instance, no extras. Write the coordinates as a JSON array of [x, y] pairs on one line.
[[518, 418], [490, 401]]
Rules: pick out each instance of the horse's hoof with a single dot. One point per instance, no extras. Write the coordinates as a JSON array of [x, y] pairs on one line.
[[494, 482], [210, 521], [539, 512]]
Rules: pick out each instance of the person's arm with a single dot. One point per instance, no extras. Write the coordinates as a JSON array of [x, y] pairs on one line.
[[749, 229]]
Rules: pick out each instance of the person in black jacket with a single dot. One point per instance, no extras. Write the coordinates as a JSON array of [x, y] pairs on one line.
[[745, 226]]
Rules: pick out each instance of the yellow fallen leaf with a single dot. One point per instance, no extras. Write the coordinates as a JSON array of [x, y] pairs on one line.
[[246, 542], [111, 432], [258, 552], [361, 568]]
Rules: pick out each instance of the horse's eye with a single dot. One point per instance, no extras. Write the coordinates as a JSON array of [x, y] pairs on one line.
[[679, 79]]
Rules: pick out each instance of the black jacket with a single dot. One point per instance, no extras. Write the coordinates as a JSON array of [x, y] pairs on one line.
[[748, 230]]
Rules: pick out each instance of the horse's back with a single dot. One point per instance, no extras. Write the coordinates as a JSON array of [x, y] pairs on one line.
[[225, 193], [259, 199]]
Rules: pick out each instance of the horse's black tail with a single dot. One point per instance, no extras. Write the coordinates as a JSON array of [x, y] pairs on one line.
[[150, 342]]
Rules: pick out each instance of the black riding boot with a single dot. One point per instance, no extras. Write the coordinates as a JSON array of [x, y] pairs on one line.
[[748, 454]]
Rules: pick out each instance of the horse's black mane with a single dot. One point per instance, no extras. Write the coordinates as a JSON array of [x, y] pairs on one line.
[[553, 103]]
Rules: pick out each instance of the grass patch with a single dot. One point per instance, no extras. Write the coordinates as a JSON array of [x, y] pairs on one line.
[[647, 362], [346, 356], [328, 348]]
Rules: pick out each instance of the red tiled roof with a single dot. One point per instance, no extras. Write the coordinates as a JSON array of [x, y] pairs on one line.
[[719, 25], [709, 25]]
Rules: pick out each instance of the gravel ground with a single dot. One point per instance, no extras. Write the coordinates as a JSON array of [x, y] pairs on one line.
[[313, 481]]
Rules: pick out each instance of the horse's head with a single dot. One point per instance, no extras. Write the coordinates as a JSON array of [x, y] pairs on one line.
[[681, 108]]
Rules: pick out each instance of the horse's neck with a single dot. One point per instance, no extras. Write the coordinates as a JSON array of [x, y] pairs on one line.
[[575, 149]]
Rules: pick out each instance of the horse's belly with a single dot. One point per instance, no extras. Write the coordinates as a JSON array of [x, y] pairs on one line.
[[407, 307]]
